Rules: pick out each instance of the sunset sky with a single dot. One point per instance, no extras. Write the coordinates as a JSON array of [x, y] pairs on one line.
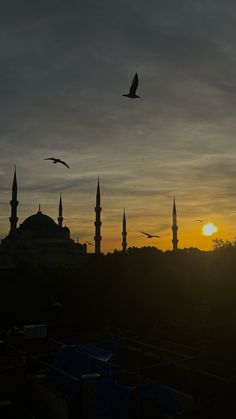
[[64, 66]]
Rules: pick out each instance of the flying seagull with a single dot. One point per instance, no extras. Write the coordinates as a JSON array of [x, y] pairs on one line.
[[58, 161], [149, 236], [200, 221], [90, 244], [133, 88]]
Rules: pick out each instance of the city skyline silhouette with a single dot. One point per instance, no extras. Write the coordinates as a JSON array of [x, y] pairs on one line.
[[43, 224], [196, 232]]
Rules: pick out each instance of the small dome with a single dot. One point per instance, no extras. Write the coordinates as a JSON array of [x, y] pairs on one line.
[[39, 222]]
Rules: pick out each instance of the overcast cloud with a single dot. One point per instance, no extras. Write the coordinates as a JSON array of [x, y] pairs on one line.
[[64, 66]]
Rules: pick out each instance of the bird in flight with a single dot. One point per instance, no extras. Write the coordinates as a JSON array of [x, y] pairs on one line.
[[133, 88], [201, 221], [58, 161], [149, 236], [90, 244]]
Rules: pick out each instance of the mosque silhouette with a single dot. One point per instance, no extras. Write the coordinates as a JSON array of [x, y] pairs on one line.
[[40, 241]]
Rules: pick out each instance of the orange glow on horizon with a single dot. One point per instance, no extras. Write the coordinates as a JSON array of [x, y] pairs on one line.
[[81, 225]]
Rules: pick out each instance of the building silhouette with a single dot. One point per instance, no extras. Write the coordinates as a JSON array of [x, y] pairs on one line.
[[174, 228], [14, 204], [39, 240], [124, 234], [60, 217], [97, 222], [42, 241]]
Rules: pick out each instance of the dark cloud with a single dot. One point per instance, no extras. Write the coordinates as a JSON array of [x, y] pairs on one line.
[[63, 69]]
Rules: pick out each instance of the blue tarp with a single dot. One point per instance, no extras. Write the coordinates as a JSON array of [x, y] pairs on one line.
[[161, 395], [113, 399], [77, 360]]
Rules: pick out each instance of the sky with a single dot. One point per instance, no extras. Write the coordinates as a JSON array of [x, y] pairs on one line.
[[64, 66]]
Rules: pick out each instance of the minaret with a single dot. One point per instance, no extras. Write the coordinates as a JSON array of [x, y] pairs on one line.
[[98, 223], [60, 218], [14, 203], [124, 234], [174, 228]]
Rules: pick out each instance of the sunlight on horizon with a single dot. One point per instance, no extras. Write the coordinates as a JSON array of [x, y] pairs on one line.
[[209, 229]]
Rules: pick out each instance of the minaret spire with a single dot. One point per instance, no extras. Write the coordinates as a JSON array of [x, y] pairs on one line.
[[14, 203], [98, 223], [174, 228], [124, 234], [60, 217]]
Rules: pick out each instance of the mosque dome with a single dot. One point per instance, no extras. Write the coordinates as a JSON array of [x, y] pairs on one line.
[[39, 222]]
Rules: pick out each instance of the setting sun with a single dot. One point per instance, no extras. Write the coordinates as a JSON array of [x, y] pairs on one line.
[[209, 229]]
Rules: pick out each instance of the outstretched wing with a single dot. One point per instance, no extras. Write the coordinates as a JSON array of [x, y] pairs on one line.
[[156, 236], [143, 232], [134, 85], [63, 162], [51, 158]]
